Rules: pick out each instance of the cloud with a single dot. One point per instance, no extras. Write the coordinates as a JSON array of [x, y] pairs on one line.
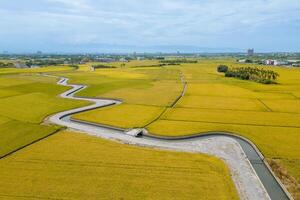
[[132, 22], [72, 4]]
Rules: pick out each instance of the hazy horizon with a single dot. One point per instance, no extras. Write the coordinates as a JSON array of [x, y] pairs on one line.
[[188, 26]]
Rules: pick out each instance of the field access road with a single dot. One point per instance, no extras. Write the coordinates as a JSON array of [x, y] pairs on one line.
[[251, 176]]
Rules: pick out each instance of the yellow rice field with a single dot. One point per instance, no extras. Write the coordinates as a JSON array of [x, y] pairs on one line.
[[84, 167], [129, 115], [268, 115]]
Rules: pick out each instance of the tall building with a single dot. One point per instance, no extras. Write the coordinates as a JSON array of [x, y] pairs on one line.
[[250, 52]]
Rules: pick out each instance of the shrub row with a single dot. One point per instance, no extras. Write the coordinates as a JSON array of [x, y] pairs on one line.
[[102, 66], [2, 65]]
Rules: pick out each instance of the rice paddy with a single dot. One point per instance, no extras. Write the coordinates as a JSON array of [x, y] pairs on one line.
[[25, 100], [129, 115], [146, 92], [268, 115], [84, 167]]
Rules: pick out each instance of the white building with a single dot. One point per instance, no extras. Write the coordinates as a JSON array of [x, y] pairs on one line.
[[242, 60], [140, 58], [20, 65], [123, 60], [278, 62], [269, 62], [105, 60]]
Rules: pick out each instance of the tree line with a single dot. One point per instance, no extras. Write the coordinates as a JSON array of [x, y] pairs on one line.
[[256, 74], [103, 67], [3, 65]]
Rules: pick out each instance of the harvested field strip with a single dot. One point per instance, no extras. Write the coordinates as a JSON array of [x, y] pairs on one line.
[[280, 169]]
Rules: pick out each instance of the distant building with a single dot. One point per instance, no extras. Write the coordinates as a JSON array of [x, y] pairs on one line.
[[123, 60], [296, 65], [242, 60], [140, 58], [105, 59], [276, 62], [269, 62], [279, 62], [20, 65], [34, 66], [250, 52]]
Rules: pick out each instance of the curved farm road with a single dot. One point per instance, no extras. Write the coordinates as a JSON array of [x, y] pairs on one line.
[[250, 174]]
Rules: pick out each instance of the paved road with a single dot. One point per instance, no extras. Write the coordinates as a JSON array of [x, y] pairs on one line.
[[230, 149]]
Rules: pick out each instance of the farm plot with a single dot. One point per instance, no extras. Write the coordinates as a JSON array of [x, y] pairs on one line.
[[17, 134], [225, 103], [25, 100], [122, 116], [145, 92], [268, 115], [233, 117], [49, 69], [135, 86], [84, 167]]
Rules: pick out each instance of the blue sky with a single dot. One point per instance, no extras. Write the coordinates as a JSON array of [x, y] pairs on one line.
[[149, 25]]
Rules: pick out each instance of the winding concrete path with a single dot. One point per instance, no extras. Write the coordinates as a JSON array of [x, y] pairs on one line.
[[227, 148]]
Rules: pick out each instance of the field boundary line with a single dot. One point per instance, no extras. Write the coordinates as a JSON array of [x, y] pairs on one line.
[[31, 143], [184, 82], [265, 105]]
